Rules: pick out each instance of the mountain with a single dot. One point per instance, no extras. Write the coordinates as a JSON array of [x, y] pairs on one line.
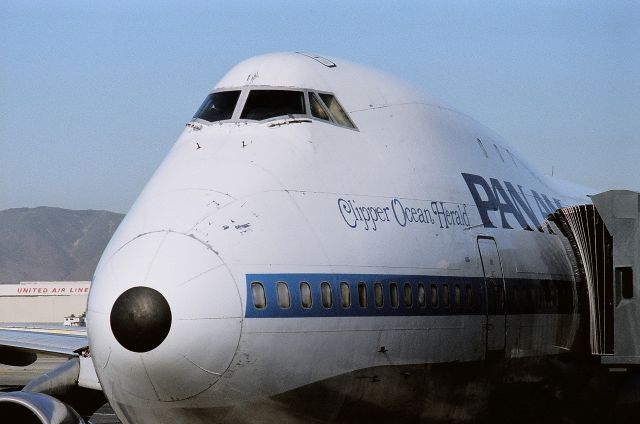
[[43, 244]]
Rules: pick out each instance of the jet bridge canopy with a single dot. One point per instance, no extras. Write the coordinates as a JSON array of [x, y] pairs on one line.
[[605, 238]]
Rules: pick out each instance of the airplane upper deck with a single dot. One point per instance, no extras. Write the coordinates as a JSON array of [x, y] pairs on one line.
[[358, 87]]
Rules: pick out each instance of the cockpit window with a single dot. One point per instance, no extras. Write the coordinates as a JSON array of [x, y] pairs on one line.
[[336, 110], [317, 109], [265, 104], [218, 106]]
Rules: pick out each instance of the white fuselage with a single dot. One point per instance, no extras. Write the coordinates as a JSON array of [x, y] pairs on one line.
[[240, 202]]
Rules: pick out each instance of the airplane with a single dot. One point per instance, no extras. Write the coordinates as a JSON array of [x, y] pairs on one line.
[[323, 243]]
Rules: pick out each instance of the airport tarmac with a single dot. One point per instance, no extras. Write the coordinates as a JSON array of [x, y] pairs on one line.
[[13, 378]]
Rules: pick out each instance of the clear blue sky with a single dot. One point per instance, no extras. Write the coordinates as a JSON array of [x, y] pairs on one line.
[[93, 94]]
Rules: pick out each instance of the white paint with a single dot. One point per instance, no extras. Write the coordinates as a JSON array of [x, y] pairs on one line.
[[236, 197]]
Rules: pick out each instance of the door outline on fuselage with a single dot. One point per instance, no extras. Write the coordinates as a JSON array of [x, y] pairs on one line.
[[495, 297]]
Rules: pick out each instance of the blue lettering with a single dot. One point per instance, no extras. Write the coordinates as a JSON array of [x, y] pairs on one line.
[[473, 182], [346, 208], [395, 202], [506, 207], [520, 201]]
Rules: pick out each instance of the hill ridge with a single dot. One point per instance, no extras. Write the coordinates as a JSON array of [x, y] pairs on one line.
[[52, 243]]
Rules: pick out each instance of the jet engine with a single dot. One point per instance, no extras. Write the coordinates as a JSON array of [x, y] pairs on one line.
[[53, 398], [36, 408]]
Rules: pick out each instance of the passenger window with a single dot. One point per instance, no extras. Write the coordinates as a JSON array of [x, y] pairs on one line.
[[317, 109], [408, 295], [547, 295], [362, 295], [457, 295], [624, 281], [469, 294], [434, 295], [494, 296], [265, 104], [500, 296], [499, 153], [325, 290], [305, 295], [445, 295], [393, 289], [218, 106], [284, 300], [421, 296], [377, 292], [257, 292], [484, 151], [532, 297], [512, 158], [345, 295], [336, 110]]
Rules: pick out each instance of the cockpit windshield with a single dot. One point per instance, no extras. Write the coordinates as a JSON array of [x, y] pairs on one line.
[[262, 103], [218, 106], [265, 104], [317, 109], [336, 110]]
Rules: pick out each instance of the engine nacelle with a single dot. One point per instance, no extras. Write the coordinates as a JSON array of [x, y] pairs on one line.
[[36, 408]]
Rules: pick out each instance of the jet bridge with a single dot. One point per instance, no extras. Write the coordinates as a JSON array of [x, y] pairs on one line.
[[605, 238]]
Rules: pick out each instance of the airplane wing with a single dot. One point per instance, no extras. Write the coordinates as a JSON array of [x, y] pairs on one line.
[[72, 384], [20, 346], [39, 340]]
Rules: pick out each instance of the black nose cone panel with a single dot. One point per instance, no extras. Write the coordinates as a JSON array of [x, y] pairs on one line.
[[140, 319]]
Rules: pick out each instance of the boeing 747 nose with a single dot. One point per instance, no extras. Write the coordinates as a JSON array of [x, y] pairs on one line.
[[164, 319]]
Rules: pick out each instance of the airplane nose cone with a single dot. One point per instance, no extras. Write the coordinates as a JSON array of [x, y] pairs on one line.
[[140, 319], [164, 318]]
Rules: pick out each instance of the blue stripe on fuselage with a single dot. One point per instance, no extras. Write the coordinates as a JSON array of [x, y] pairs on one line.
[[523, 296]]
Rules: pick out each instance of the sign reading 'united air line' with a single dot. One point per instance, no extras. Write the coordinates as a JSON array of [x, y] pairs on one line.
[[46, 288]]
